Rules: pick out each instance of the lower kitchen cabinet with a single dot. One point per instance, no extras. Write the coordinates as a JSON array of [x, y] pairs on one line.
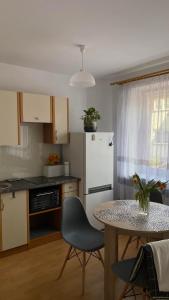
[[45, 223], [14, 220], [70, 194], [44, 214], [33, 217], [69, 190]]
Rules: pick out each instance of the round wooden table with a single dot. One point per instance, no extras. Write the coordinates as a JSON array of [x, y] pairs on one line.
[[123, 217]]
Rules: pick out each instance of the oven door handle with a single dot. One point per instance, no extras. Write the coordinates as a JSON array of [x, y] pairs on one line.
[[44, 194]]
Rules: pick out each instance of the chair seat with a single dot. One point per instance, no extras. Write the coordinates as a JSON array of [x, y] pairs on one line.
[[85, 239], [123, 270]]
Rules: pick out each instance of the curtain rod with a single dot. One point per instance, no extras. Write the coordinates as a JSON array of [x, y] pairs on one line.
[[149, 75]]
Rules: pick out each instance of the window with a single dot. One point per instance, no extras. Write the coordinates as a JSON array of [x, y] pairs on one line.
[[159, 133], [143, 131]]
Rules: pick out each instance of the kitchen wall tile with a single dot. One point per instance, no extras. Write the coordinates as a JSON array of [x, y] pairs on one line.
[[28, 158]]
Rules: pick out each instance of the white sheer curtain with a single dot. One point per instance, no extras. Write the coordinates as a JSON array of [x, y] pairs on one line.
[[142, 132]]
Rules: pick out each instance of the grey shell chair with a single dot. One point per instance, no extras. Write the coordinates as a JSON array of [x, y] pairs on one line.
[[80, 235], [139, 272], [124, 270], [155, 196]]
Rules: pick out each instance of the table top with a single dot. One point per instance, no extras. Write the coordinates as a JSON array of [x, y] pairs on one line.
[[124, 214]]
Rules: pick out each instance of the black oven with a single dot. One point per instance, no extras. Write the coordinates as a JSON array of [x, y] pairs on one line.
[[44, 198]]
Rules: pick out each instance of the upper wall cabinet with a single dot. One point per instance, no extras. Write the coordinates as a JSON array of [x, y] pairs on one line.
[[9, 118], [35, 108], [60, 113], [57, 132]]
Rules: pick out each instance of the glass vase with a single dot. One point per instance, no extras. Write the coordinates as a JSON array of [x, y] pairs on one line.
[[144, 204]]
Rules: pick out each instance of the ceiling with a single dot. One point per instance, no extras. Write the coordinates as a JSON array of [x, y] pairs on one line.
[[120, 34]]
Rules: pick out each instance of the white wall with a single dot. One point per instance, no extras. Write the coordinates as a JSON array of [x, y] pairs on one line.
[[28, 158], [100, 97], [31, 80]]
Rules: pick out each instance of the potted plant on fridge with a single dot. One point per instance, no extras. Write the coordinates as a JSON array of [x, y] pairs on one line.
[[90, 118]]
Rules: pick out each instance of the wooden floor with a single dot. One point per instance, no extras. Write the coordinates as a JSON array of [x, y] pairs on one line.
[[31, 275]]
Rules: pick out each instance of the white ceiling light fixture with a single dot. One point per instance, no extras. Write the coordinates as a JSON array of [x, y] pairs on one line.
[[82, 79]]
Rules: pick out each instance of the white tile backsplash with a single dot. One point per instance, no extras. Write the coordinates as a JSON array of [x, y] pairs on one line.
[[28, 158]]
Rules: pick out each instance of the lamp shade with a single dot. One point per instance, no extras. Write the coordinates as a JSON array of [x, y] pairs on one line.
[[82, 79]]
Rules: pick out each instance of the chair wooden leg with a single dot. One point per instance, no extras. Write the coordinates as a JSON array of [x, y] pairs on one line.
[[126, 247], [65, 262], [100, 257], [83, 272], [124, 291]]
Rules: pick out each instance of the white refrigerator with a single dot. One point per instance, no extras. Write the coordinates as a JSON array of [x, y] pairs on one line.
[[91, 157]]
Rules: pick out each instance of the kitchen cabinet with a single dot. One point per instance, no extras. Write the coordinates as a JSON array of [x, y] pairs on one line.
[[35, 108], [23, 222], [44, 212], [57, 132], [70, 190], [14, 220], [9, 118]]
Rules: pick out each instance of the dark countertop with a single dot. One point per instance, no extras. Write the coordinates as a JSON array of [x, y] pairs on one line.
[[35, 182]]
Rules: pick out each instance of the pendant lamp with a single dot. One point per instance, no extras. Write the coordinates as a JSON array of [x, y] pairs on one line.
[[82, 79]]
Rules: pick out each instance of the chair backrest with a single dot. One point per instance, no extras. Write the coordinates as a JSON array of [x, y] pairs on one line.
[[73, 216], [145, 262], [156, 196]]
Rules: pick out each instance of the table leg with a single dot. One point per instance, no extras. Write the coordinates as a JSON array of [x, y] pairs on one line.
[[111, 256]]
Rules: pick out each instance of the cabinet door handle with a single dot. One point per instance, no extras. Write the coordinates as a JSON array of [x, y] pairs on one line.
[[36, 118]]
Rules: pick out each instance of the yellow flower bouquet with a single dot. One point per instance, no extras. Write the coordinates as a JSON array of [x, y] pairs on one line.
[[53, 159], [53, 166]]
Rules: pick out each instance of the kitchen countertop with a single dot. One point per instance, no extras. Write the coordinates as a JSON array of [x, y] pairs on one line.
[[34, 182]]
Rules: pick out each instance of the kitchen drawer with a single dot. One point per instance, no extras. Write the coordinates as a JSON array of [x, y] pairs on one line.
[[69, 187], [70, 194]]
